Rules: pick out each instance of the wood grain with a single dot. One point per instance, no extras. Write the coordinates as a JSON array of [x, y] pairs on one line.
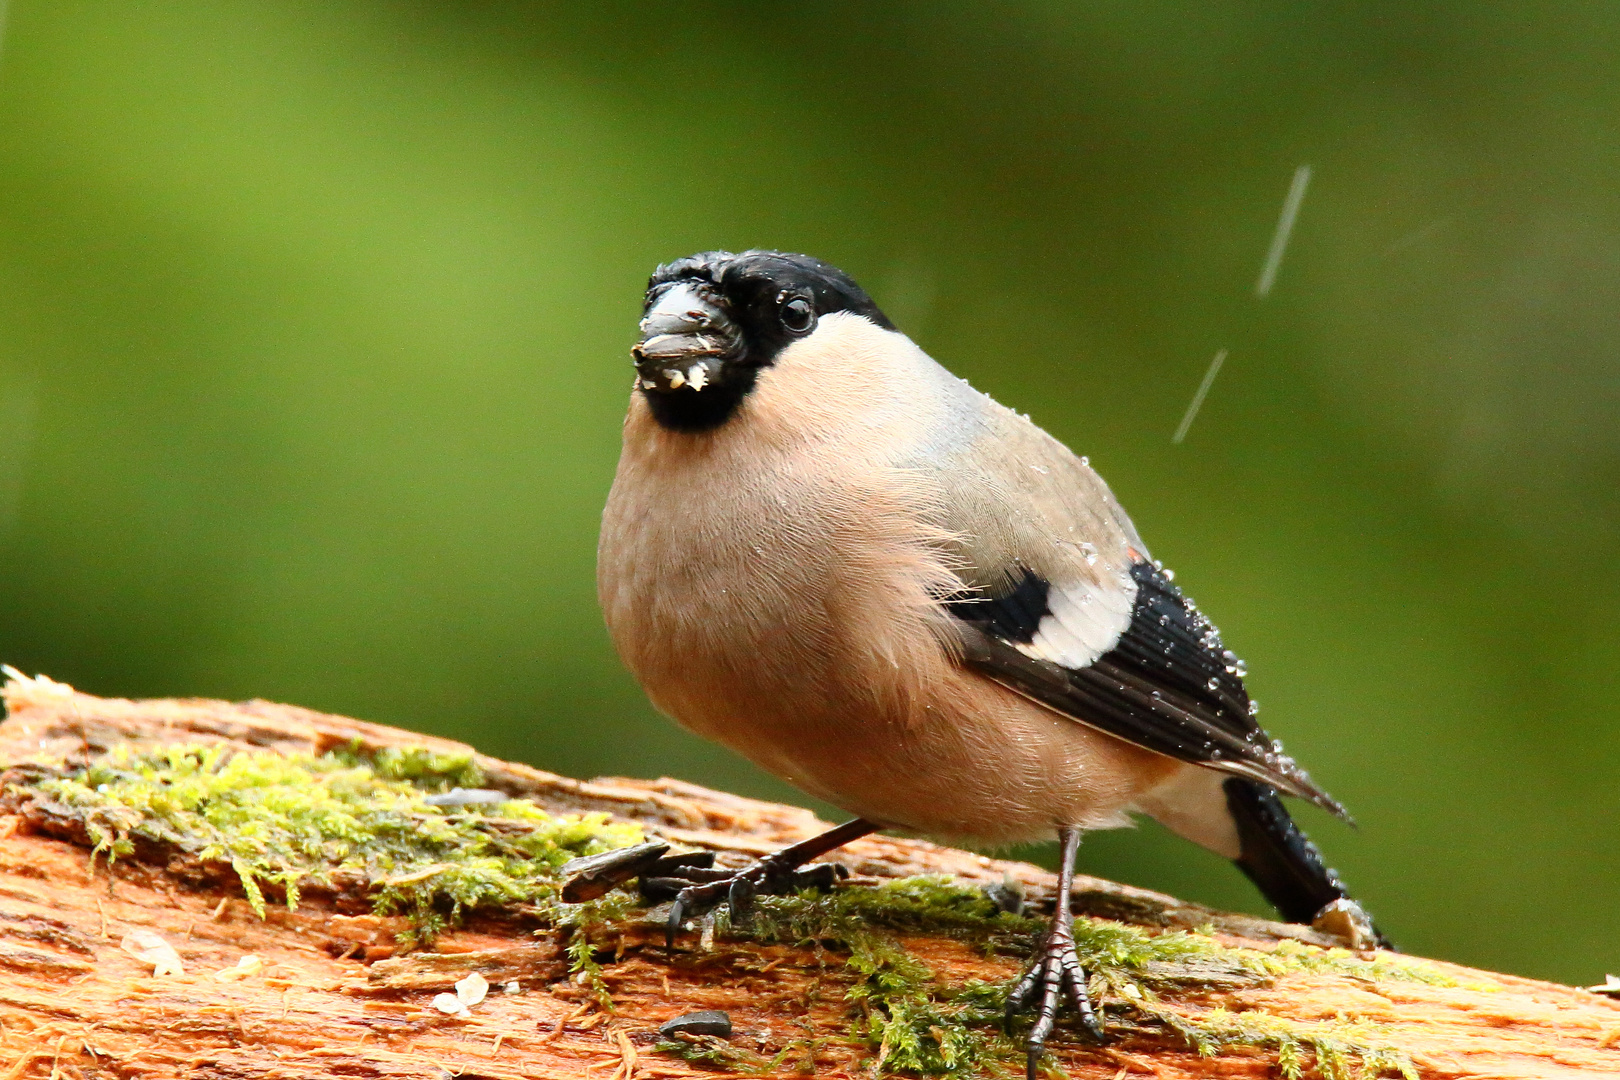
[[336, 999]]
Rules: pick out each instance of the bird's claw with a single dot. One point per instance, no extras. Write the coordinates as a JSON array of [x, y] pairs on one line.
[[695, 886], [698, 889], [740, 899], [1054, 975]]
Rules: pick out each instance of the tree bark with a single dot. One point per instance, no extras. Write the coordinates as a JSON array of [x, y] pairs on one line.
[[336, 998]]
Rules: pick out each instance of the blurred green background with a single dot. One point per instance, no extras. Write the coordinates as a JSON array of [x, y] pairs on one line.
[[314, 319]]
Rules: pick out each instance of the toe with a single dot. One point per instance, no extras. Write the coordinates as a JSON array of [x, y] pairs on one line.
[[740, 896], [677, 916], [1022, 991], [1045, 1019]]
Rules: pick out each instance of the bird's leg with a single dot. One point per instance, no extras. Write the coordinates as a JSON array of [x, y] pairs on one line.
[[776, 874], [1055, 973]]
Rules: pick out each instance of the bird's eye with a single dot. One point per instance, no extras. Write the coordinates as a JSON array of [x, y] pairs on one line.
[[797, 315]]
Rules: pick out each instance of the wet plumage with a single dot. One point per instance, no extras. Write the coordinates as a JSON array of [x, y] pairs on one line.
[[828, 553]]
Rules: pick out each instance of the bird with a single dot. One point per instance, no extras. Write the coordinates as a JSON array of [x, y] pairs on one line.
[[823, 550]]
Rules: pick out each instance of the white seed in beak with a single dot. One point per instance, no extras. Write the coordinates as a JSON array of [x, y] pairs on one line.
[[676, 379], [698, 376]]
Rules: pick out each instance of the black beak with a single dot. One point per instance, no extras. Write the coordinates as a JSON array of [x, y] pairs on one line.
[[686, 339]]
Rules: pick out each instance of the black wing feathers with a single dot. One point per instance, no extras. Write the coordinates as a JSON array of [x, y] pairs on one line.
[[1173, 644], [1168, 685], [1014, 616]]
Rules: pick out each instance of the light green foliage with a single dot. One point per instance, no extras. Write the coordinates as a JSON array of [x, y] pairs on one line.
[[296, 820]]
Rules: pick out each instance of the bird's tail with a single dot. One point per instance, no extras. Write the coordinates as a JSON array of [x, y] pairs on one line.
[[1280, 859]]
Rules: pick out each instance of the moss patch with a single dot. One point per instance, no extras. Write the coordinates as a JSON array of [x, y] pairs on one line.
[[915, 1024], [359, 821], [1340, 1049], [292, 821]]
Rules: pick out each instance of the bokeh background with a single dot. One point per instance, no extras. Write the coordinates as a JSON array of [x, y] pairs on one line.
[[314, 319]]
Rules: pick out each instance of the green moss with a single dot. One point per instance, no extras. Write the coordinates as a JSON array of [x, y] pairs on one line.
[[1340, 1049], [712, 1050], [915, 1024], [899, 1008], [291, 821], [415, 765], [587, 925]]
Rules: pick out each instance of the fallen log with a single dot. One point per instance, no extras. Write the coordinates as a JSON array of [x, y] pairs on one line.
[[170, 953]]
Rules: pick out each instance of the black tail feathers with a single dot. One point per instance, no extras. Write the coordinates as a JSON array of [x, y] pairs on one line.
[[1279, 858]]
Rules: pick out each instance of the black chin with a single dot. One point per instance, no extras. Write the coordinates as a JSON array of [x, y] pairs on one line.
[[691, 410]]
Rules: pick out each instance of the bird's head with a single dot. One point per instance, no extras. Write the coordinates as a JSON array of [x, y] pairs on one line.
[[712, 322]]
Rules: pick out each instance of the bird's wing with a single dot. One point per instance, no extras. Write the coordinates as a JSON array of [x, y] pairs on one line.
[[1062, 604]]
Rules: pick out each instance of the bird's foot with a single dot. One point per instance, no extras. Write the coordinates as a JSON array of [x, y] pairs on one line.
[[692, 882], [1053, 976], [696, 889]]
